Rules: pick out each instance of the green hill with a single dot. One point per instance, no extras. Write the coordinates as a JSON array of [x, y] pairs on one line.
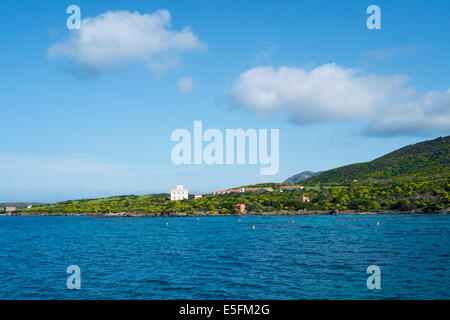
[[424, 160]]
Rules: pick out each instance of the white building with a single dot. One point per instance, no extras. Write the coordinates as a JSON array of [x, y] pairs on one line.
[[179, 193], [197, 196]]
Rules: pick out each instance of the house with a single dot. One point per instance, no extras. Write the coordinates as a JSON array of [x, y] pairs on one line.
[[241, 190], [216, 192], [179, 193], [10, 209], [29, 206], [304, 199], [240, 207], [282, 188], [257, 189], [197, 196]]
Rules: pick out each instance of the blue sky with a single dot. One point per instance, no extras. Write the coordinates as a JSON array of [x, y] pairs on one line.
[[85, 119]]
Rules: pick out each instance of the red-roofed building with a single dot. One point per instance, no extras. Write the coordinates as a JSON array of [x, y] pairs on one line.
[[291, 188], [240, 207], [304, 199]]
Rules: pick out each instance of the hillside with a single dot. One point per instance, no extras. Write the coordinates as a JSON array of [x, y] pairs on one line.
[[424, 160]]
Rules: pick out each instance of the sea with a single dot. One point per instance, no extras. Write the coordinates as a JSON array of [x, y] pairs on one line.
[[389, 256]]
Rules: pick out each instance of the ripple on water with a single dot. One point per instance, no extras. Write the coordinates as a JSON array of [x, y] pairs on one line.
[[322, 257]]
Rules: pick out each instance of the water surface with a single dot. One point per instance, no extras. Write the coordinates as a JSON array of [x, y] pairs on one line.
[[316, 257]]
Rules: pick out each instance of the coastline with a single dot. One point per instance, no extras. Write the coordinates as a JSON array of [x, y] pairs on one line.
[[207, 214]]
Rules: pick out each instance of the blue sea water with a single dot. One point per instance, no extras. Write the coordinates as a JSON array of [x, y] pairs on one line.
[[317, 257]]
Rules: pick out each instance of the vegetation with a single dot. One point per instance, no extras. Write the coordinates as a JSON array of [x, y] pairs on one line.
[[414, 178], [18, 205], [424, 160]]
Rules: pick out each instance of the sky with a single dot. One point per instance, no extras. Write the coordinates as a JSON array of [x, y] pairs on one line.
[[90, 112]]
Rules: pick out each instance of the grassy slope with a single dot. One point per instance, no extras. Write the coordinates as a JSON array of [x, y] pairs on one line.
[[428, 159]]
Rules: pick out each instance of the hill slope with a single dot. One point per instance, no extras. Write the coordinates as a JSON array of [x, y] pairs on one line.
[[425, 159]]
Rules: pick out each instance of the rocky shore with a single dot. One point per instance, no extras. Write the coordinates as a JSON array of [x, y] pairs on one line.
[[207, 214]]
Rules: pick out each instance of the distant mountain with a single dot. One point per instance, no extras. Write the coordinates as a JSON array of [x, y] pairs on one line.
[[301, 176], [427, 159]]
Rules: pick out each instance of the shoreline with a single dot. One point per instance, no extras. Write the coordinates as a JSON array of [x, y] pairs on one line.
[[207, 214]]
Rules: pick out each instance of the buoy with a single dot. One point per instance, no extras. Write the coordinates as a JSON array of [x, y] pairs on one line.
[[253, 227], [198, 219], [167, 223], [378, 223], [239, 220], [293, 221]]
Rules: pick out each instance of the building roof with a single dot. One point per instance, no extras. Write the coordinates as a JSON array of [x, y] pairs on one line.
[[291, 187]]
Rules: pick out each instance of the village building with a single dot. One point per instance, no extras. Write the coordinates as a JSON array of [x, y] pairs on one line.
[[304, 199], [282, 188], [216, 192], [179, 193], [10, 209], [197, 196], [257, 189], [29, 206], [241, 190], [240, 207]]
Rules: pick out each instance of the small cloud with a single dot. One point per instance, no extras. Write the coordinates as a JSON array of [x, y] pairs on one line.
[[388, 53], [265, 56], [81, 72], [121, 37], [185, 84]]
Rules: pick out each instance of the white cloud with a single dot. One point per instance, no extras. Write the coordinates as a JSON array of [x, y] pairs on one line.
[[71, 165], [44, 178], [388, 53], [328, 92], [120, 37], [185, 84], [332, 93], [429, 114]]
